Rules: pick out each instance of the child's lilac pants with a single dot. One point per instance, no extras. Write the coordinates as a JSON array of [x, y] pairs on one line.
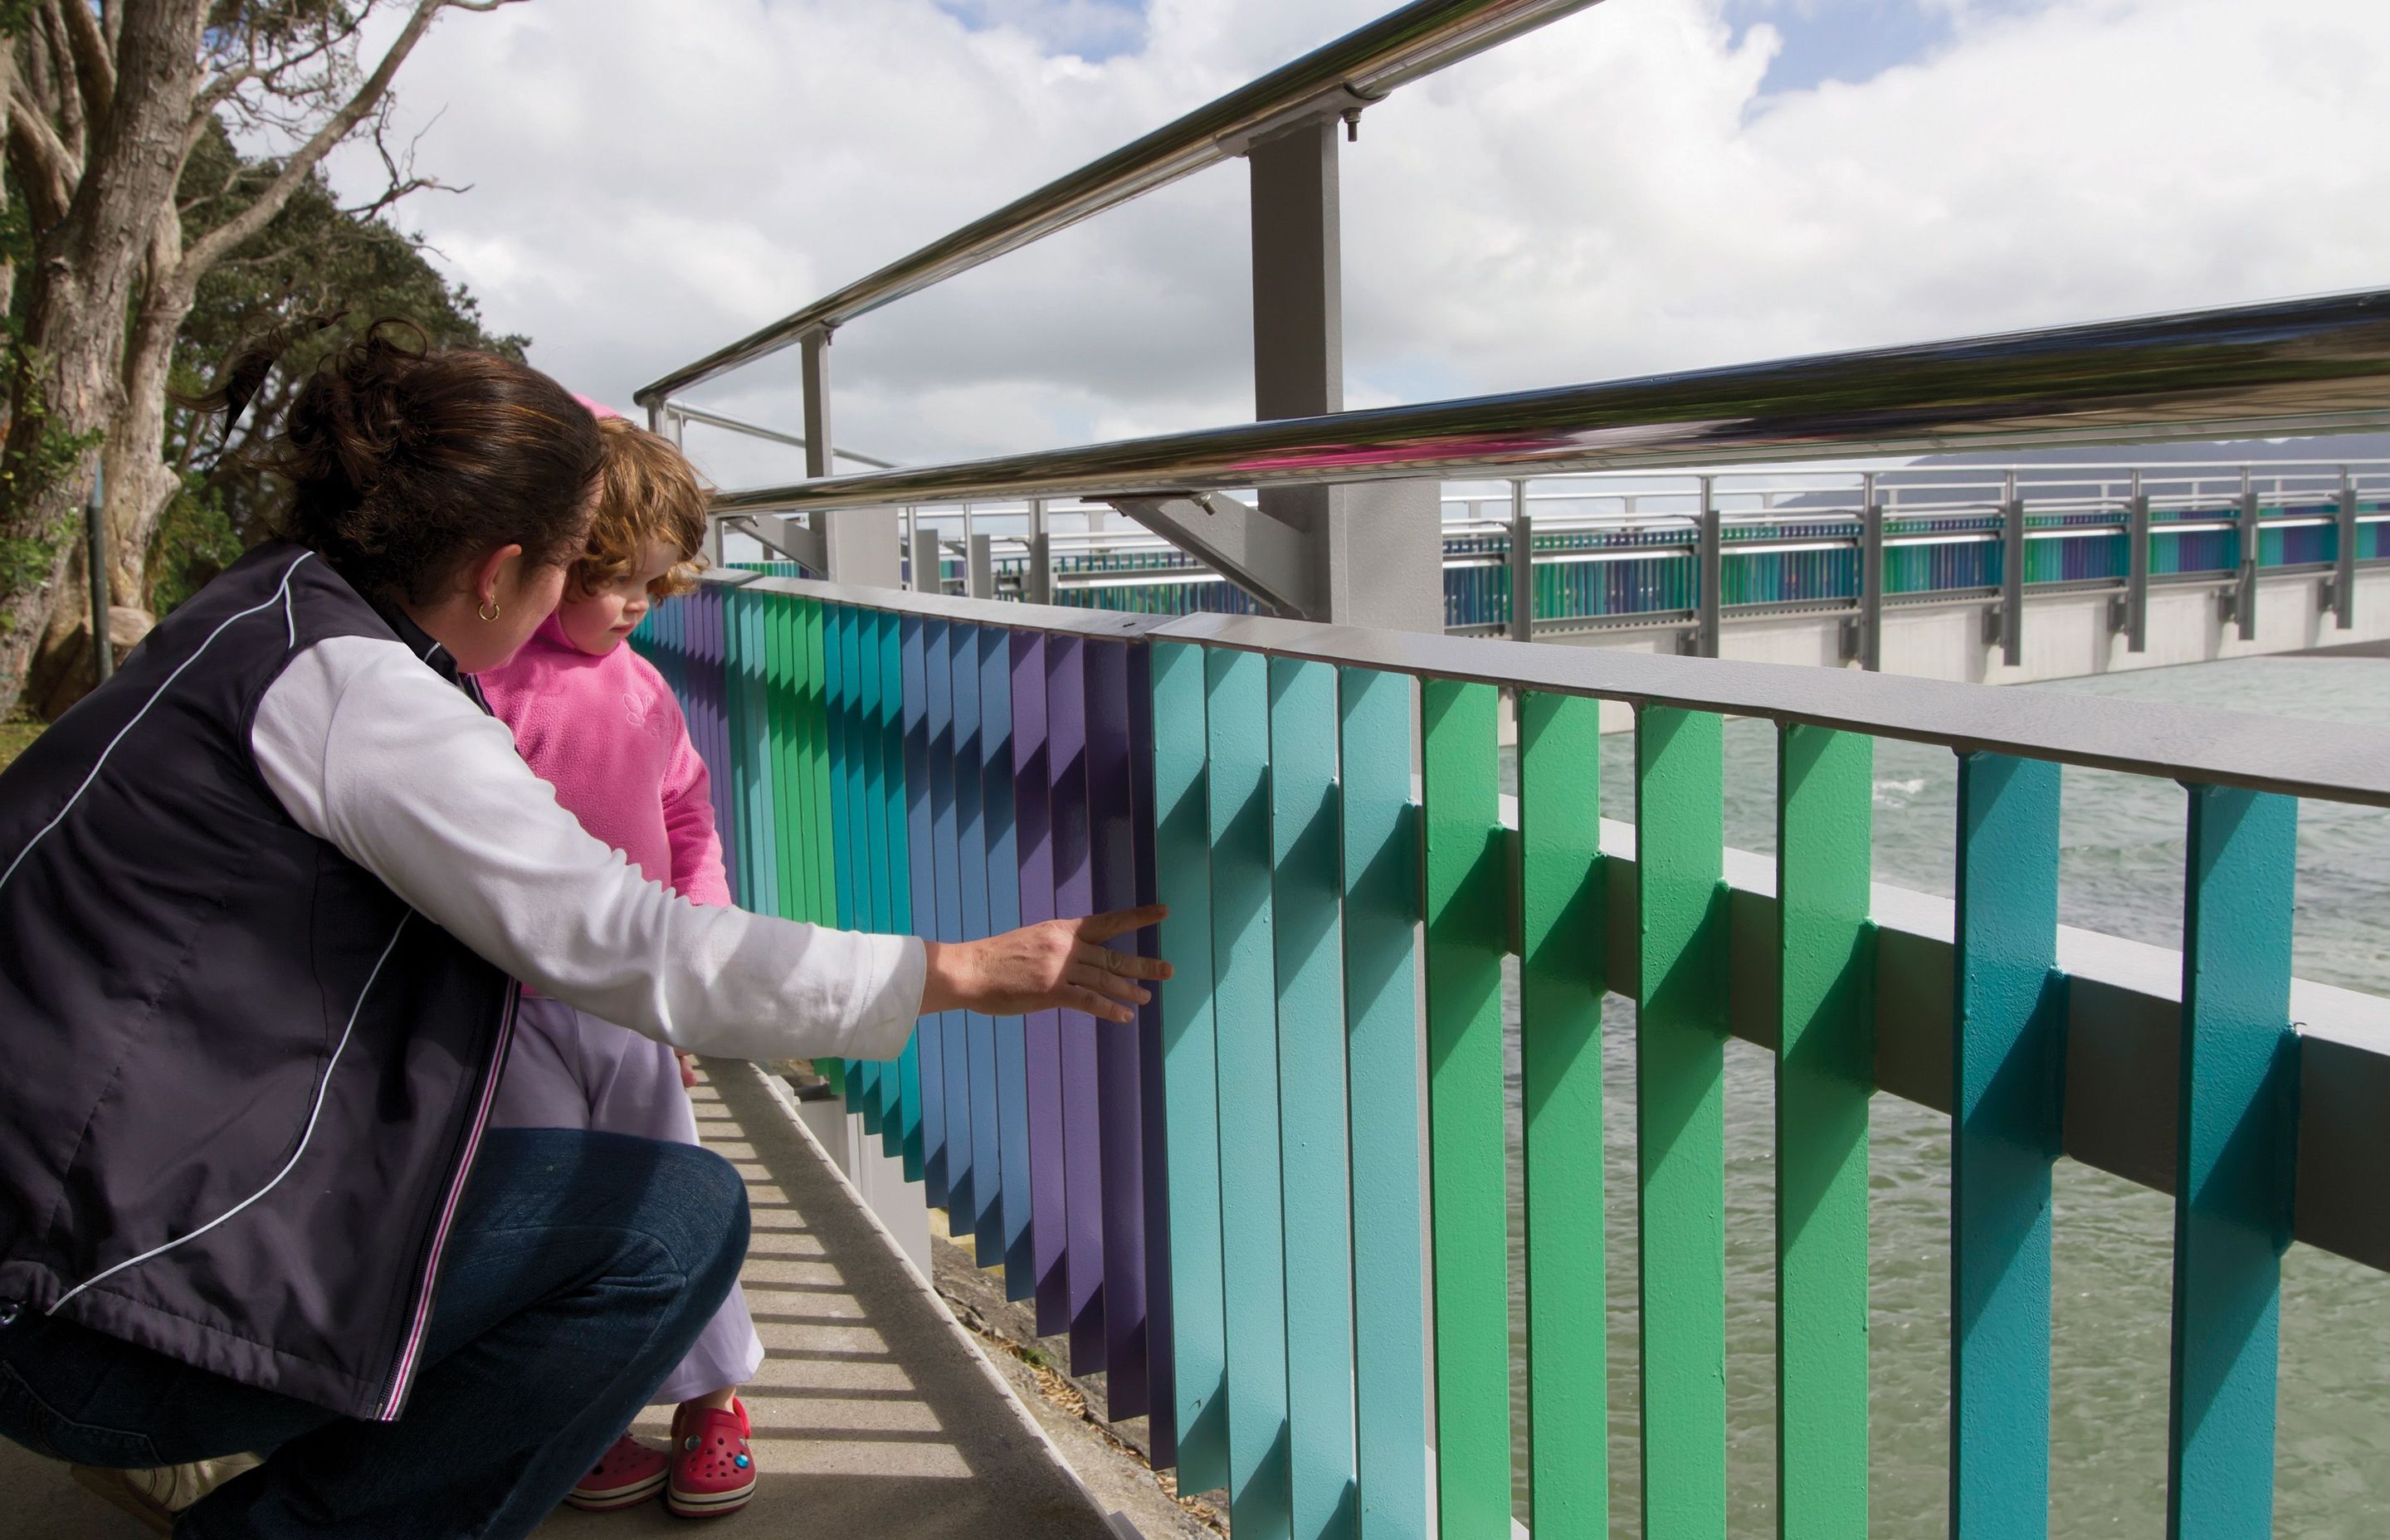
[[570, 1070]]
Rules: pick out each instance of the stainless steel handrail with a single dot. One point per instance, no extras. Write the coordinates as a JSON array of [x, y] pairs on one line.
[[2299, 366], [757, 430], [1356, 69]]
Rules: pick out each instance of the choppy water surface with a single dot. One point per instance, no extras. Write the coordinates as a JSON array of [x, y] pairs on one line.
[[2121, 872]]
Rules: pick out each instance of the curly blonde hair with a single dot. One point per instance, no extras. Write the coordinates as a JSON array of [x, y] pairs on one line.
[[646, 491]]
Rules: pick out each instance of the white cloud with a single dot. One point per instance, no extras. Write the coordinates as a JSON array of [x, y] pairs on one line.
[[1612, 195]]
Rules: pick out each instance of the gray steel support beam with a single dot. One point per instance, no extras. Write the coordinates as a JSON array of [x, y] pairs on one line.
[[798, 542], [860, 544], [1264, 558], [929, 566], [1709, 546], [2013, 576], [2343, 564], [2137, 570], [1040, 586], [2244, 592], [1871, 582], [1372, 554], [1522, 566], [979, 567]]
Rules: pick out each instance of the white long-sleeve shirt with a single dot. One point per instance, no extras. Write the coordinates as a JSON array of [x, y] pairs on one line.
[[391, 763]]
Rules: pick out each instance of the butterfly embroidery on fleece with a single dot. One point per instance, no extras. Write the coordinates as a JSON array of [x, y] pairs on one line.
[[646, 713]]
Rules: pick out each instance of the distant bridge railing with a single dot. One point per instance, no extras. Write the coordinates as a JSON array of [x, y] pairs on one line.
[[1627, 551]]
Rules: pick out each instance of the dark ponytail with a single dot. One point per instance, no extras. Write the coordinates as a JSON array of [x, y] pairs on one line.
[[404, 465]]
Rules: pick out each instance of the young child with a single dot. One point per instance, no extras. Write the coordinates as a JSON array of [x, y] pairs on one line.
[[596, 722]]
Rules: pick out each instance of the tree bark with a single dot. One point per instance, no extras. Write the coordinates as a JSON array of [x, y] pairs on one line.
[[68, 385]]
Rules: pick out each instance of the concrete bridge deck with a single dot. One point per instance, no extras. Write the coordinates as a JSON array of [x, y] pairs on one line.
[[875, 1416]]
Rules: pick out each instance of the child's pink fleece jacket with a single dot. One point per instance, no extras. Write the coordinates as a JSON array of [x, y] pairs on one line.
[[608, 735]]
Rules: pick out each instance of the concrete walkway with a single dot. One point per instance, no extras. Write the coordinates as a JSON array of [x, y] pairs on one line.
[[874, 1415]]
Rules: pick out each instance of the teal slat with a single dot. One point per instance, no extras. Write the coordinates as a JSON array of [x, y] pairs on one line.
[[1381, 914], [2234, 1154], [1253, 1270], [1183, 865], [2005, 1070], [1309, 937]]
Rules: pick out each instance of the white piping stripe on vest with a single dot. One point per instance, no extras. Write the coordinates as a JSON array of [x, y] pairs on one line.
[[323, 1088], [281, 596], [290, 614]]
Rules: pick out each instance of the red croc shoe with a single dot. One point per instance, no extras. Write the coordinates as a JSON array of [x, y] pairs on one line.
[[713, 1469], [629, 1473]]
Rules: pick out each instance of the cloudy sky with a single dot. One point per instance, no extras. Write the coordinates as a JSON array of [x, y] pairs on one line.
[[1650, 184]]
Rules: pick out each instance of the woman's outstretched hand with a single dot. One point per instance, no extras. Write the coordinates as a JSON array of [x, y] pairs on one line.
[[1061, 963]]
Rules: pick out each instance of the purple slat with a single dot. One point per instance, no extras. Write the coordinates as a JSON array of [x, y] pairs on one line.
[[1162, 1397], [1048, 1200], [1083, 1152], [1111, 841]]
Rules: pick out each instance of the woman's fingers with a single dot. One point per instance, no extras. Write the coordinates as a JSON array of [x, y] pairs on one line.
[[1126, 965], [1120, 922], [1093, 1004], [1094, 976]]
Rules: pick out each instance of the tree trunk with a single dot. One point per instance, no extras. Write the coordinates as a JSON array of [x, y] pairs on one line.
[[68, 388]]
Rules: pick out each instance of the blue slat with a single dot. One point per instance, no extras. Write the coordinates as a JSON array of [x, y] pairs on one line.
[[929, 1035], [939, 669], [981, 1220], [1011, 1206]]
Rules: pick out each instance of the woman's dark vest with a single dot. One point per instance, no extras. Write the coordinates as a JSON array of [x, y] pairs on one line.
[[244, 1080]]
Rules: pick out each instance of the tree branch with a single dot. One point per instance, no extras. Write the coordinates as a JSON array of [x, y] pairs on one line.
[[216, 244], [95, 66], [55, 72], [46, 169]]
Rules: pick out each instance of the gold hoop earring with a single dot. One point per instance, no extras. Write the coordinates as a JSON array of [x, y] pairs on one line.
[[489, 610]]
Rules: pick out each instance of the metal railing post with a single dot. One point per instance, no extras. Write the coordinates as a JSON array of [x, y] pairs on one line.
[[979, 552], [1299, 371], [2137, 568], [861, 543], [1040, 585], [1871, 577], [928, 569], [103, 653], [2244, 592], [2343, 564], [1522, 566], [2012, 574], [1710, 545]]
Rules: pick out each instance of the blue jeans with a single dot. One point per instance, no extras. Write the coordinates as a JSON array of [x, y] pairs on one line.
[[581, 1268]]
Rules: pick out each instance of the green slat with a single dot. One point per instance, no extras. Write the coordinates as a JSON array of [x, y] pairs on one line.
[[1563, 973], [1382, 913], [1824, 1075], [1680, 1119], [795, 904], [1465, 937], [734, 705], [1309, 935], [818, 787], [1190, 1084]]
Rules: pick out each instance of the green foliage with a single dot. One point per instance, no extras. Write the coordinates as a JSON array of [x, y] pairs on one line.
[[314, 259], [16, 736]]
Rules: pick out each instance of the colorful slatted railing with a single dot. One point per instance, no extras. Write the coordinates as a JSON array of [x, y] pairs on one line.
[[1221, 1208]]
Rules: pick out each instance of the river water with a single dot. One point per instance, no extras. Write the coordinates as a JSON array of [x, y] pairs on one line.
[[2121, 872]]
